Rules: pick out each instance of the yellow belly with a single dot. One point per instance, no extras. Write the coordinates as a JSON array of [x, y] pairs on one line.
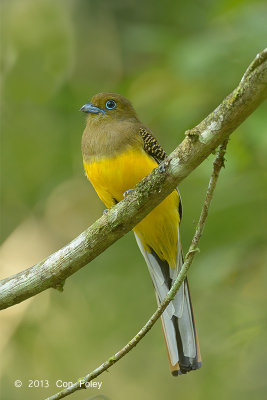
[[111, 177]]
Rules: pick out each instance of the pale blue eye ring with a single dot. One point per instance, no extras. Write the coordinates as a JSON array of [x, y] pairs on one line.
[[110, 104]]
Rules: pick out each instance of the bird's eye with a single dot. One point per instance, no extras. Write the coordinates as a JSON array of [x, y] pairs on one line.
[[110, 104]]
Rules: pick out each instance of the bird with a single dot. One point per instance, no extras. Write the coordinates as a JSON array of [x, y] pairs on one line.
[[118, 151]]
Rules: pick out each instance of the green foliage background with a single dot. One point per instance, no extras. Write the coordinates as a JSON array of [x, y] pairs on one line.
[[176, 61]]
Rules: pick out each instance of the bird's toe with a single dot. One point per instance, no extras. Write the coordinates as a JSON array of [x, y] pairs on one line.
[[127, 192]]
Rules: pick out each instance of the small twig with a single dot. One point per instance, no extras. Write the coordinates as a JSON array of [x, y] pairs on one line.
[[193, 249]]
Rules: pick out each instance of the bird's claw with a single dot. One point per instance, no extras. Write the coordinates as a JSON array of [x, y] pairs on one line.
[[127, 192], [162, 168], [105, 211]]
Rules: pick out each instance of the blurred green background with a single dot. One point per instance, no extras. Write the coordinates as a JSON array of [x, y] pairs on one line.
[[176, 61]]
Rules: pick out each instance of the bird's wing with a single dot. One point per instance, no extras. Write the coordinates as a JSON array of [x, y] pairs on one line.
[[154, 150], [152, 146]]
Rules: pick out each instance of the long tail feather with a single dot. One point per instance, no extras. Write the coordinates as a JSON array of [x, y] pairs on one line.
[[177, 320]]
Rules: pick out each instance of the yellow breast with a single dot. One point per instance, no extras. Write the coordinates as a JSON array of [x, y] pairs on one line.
[[111, 177]]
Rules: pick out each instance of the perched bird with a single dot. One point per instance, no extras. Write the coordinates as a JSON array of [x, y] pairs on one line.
[[118, 151]]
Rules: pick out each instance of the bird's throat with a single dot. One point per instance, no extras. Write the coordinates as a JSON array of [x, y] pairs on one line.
[[109, 138]]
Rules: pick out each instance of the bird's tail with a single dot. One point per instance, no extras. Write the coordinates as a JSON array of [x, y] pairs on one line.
[[177, 320]]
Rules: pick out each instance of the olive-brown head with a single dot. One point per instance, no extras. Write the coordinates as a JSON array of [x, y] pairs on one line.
[[112, 126], [109, 105]]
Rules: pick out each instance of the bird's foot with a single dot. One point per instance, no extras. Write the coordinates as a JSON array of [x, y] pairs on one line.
[[162, 168], [127, 192], [105, 211]]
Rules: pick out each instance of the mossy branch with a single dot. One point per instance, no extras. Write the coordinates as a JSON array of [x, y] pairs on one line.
[[196, 147]]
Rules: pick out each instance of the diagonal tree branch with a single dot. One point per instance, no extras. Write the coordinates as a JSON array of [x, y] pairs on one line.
[[193, 249], [198, 144]]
